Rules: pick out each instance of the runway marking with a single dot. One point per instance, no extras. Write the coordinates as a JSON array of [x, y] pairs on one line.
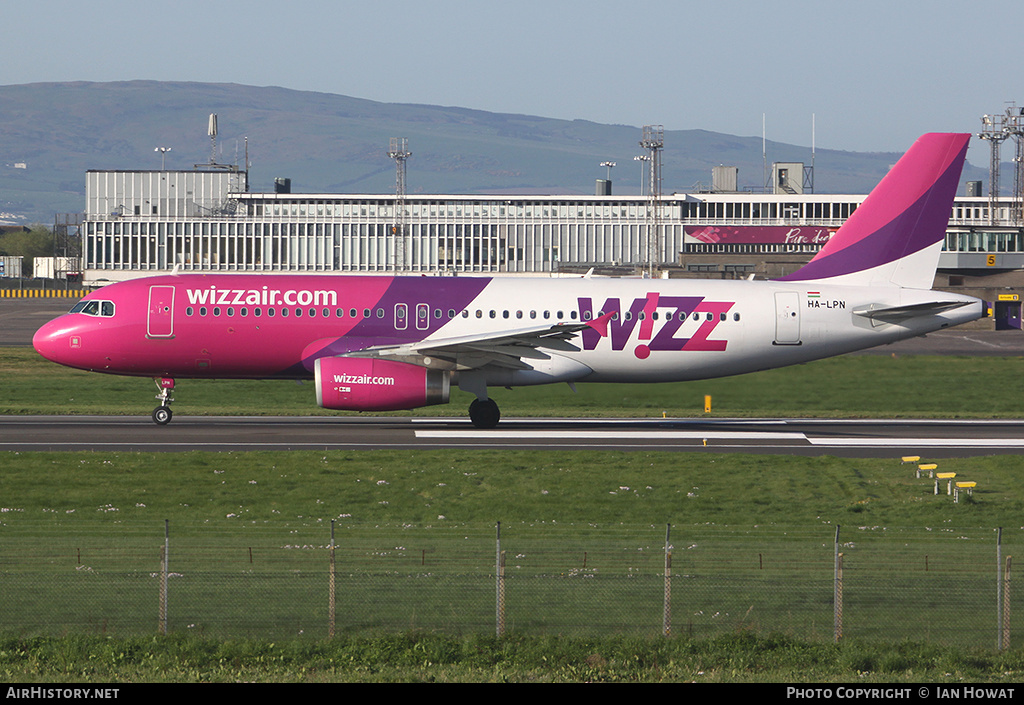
[[981, 342], [614, 435], [938, 442], [639, 420]]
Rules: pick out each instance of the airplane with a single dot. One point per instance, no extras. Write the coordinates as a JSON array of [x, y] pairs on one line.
[[376, 343]]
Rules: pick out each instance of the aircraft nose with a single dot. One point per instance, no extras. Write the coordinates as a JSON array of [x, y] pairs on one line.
[[54, 340]]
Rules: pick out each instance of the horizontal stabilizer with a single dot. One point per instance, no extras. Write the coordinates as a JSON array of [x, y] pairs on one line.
[[894, 314]]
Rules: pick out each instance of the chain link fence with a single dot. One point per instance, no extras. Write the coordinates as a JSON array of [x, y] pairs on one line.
[[941, 586]]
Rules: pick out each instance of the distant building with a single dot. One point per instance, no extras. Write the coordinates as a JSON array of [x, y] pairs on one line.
[[143, 222]]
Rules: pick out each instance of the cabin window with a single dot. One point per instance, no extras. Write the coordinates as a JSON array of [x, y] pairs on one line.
[[188, 311]]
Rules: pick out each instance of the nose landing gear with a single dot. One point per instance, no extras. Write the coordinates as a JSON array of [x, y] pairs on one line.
[[162, 414]]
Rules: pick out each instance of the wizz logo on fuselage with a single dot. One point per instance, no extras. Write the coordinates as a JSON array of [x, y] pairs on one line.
[[654, 331]]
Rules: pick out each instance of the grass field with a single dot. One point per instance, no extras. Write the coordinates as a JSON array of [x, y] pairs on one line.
[[866, 385], [584, 533]]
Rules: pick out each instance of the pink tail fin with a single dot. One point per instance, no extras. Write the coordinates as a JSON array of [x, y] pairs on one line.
[[894, 236]]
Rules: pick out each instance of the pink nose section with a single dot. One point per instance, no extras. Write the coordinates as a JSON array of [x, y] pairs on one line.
[[54, 342]]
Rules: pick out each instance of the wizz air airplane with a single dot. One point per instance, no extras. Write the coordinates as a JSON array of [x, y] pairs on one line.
[[375, 343]]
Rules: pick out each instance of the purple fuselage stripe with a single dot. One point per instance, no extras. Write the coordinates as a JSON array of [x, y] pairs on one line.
[[438, 294]]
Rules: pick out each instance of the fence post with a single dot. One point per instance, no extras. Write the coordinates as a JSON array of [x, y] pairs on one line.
[[666, 619], [1006, 604], [999, 587], [837, 594], [499, 607], [164, 567], [330, 588]]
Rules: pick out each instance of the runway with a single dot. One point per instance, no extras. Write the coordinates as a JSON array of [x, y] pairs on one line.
[[848, 438], [845, 438]]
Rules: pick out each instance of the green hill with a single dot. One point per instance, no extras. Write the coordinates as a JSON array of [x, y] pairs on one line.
[[338, 144]]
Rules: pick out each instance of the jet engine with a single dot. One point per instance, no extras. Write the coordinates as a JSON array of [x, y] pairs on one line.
[[370, 384]]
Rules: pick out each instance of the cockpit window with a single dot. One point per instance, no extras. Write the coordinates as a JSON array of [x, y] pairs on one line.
[[94, 308]]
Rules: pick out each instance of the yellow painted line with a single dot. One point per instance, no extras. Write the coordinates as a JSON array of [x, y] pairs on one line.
[[42, 293]]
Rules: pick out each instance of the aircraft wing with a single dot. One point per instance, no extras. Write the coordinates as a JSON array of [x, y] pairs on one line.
[[506, 349]]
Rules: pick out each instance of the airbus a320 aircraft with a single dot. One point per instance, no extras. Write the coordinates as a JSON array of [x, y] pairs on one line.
[[375, 343]]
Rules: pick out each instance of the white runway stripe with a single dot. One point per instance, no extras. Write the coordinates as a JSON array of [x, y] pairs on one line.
[[611, 435], [934, 442]]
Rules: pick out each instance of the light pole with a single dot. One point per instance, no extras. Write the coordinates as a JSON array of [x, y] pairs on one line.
[[609, 165], [163, 156], [642, 158]]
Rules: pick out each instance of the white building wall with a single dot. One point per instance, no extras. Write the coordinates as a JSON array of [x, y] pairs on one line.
[[141, 222]]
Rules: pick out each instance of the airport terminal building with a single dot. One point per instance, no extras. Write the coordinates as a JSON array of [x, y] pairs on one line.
[[139, 223]]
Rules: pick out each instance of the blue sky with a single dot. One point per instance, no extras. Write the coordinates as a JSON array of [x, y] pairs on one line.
[[873, 75]]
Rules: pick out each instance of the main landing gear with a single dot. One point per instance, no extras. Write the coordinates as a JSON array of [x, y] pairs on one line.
[[484, 413], [162, 414]]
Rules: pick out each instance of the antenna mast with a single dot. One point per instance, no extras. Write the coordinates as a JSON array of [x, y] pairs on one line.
[[993, 129], [1015, 126], [212, 132], [398, 150], [809, 172], [653, 141]]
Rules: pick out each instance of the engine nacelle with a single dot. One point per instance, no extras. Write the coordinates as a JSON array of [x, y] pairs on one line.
[[369, 384]]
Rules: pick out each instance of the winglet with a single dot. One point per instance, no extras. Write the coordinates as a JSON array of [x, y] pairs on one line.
[[600, 324]]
